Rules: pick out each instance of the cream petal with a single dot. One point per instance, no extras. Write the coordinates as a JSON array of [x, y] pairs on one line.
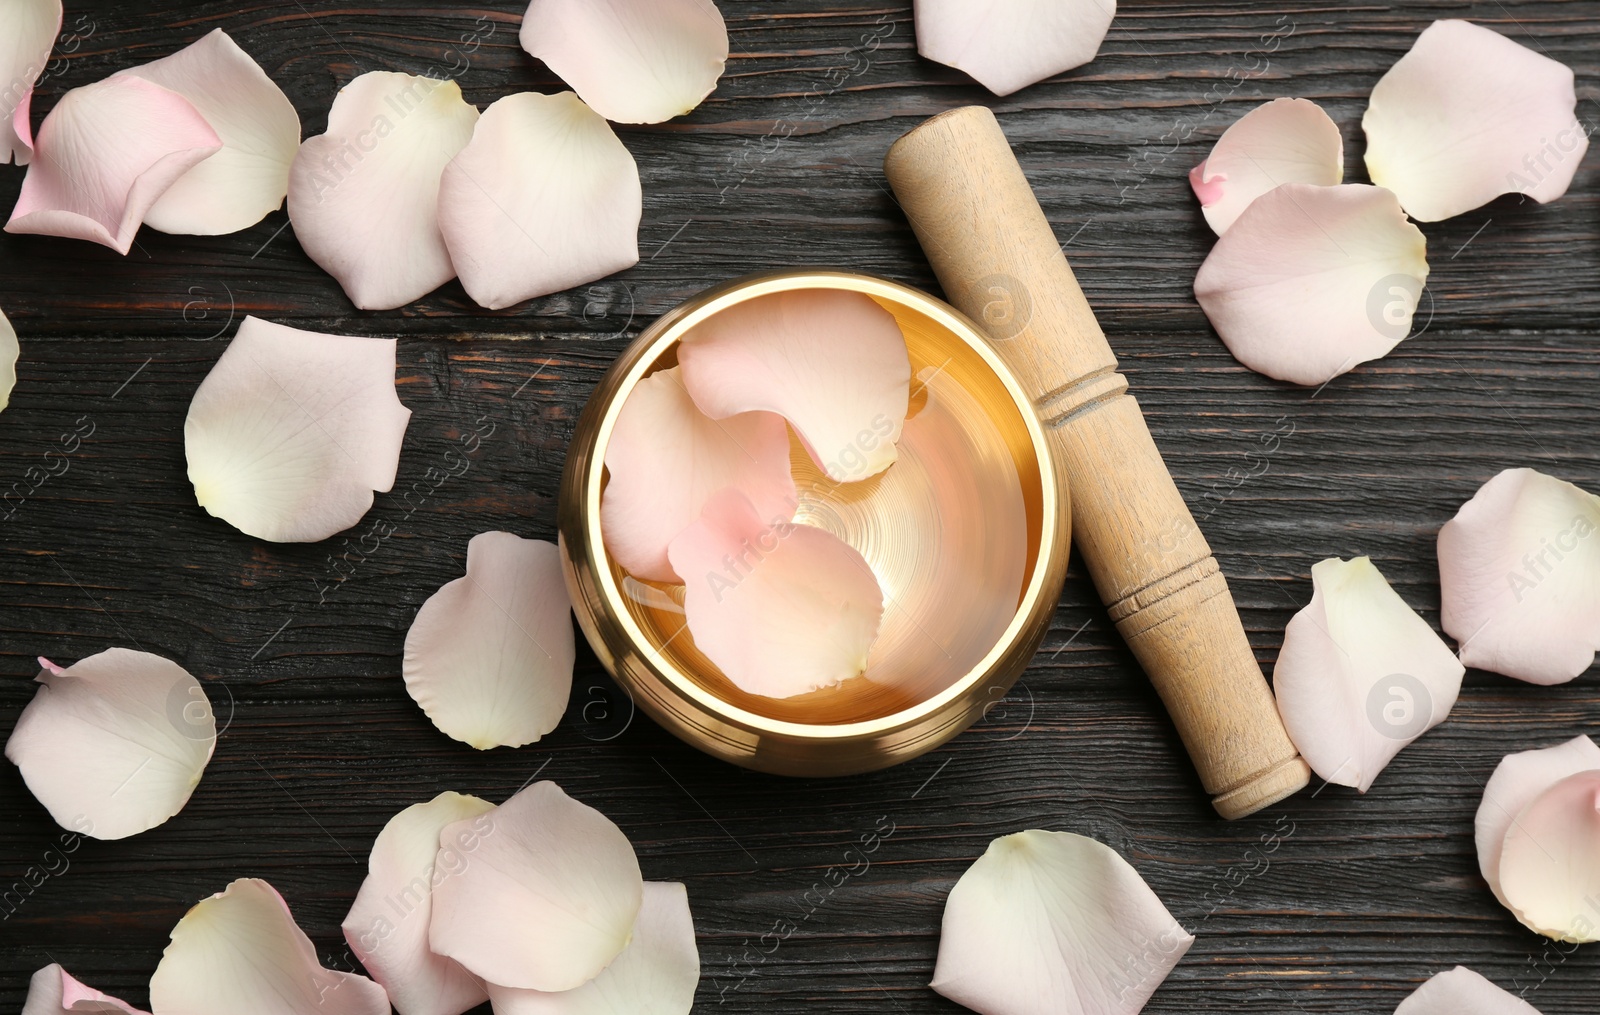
[[292, 431], [259, 129], [1517, 782], [656, 974], [548, 898], [52, 991], [1361, 675], [489, 657], [9, 351], [387, 927], [105, 154], [666, 458], [633, 61], [781, 608], [1310, 281], [1461, 991], [1009, 44], [29, 33], [1052, 923], [1550, 862], [241, 952], [833, 363], [114, 744], [544, 198], [1282, 141], [1468, 115], [1519, 575], [20, 127], [364, 196]]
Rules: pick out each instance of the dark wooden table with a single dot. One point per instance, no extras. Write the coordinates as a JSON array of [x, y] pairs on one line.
[[300, 645]]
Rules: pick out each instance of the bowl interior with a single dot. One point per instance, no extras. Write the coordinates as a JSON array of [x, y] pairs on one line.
[[952, 530]]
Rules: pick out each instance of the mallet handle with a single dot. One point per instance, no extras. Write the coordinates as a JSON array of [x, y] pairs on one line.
[[999, 262]]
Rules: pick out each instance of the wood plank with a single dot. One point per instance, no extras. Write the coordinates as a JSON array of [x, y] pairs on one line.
[[781, 166], [1364, 897]]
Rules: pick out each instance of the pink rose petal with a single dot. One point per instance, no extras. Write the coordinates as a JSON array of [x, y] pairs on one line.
[[1052, 923], [1460, 991], [1519, 575], [27, 33], [364, 197], [114, 744], [781, 608], [666, 458], [548, 899], [292, 431], [633, 61], [258, 127], [53, 992], [1360, 676], [1517, 782], [240, 952], [9, 351], [1282, 141], [105, 155], [1468, 115], [489, 657], [544, 197], [833, 363], [656, 974], [1009, 44], [1550, 863], [388, 925], [1310, 281]]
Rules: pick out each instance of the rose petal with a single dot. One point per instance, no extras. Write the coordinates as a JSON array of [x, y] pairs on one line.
[[1519, 575], [1052, 923], [545, 197], [292, 431], [114, 744], [656, 974], [489, 657], [1468, 115], [633, 61], [666, 458], [1517, 782], [1282, 141], [781, 608], [388, 925], [1461, 991], [9, 351], [106, 153], [833, 363], [259, 129], [1310, 281], [364, 196], [241, 952], [1009, 44], [31, 27], [53, 992], [549, 897], [1550, 862], [1361, 675], [21, 127]]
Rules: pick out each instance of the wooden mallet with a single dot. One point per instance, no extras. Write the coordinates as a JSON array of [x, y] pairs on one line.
[[999, 262]]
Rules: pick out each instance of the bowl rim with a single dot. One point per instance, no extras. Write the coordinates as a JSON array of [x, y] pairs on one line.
[[661, 335]]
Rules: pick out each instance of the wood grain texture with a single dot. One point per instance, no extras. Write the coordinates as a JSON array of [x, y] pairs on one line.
[[1364, 898]]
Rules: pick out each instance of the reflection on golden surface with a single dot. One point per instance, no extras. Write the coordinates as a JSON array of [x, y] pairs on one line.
[[966, 533]]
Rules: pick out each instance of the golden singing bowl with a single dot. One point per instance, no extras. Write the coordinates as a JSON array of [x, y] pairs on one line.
[[967, 533]]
